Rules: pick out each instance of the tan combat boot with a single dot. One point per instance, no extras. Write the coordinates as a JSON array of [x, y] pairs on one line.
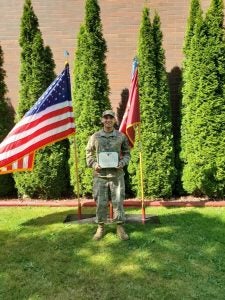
[[121, 233], [99, 232]]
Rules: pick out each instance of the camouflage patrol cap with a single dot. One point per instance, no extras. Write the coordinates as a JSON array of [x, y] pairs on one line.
[[108, 113]]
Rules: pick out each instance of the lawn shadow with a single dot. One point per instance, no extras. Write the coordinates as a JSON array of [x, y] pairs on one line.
[[49, 219]]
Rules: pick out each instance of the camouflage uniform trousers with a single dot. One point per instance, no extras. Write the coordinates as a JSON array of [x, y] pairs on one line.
[[105, 189]]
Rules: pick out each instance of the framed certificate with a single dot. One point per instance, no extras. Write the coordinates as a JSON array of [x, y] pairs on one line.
[[108, 159]]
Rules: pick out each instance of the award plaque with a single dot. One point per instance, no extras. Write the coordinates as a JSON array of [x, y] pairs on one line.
[[108, 159]]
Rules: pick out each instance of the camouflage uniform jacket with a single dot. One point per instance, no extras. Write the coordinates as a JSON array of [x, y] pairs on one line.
[[102, 141]]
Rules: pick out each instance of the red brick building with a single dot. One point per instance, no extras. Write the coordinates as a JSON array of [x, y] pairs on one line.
[[60, 21]]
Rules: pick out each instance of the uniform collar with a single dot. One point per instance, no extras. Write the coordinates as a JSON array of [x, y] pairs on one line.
[[106, 134]]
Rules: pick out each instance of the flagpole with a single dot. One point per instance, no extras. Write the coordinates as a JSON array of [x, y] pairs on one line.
[[132, 122], [77, 179], [66, 54], [141, 175]]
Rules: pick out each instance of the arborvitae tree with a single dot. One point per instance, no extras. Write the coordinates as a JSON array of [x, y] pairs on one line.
[[204, 172], [191, 50], [195, 12], [189, 77], [50, 176], [6, 123], [90, 90], [28, 28], [156, 135], [166, 172], [148, 96]]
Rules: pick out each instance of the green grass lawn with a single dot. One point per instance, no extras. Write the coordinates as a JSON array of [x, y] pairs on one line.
[[43, 258]]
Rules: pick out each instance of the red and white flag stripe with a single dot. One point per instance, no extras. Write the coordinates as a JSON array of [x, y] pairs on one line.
[[36, 131], [23, 164]]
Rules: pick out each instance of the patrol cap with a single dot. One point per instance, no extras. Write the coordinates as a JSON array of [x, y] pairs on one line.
[[108, 113]]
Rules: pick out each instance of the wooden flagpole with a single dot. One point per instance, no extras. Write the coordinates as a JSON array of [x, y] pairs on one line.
[[77, 178], [141, 175], [66, 54]]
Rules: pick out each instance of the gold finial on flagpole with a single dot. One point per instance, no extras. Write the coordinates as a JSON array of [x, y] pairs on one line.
[[66, 55]]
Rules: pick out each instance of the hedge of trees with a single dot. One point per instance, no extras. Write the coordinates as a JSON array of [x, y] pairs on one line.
[[203, 112], [202, 141]]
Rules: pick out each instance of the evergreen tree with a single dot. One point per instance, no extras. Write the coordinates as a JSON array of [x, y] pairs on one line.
[[29, 27], [6, 123], [195, 12], [156, 134], [50, 176], [190, 75], [166, 166], [91, 89], [204, 162]]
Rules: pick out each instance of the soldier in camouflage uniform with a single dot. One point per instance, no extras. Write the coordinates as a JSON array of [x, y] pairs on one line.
[[108, 181]]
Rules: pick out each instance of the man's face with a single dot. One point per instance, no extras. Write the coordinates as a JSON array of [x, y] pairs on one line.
[[108, 122]]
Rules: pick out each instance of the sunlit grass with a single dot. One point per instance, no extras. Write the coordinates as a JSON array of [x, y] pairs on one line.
[[43, 258]]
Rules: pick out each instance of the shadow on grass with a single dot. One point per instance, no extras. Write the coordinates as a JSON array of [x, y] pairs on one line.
[[88, 215], [183, 258], [53, 218]]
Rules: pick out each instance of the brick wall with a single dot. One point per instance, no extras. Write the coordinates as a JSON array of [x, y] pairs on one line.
[[60, 20]]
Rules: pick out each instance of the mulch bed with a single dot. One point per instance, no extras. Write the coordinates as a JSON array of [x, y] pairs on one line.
[[187, 201]]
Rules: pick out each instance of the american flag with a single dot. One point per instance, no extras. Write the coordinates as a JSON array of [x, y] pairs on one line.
[[131, 117], [48, 121]]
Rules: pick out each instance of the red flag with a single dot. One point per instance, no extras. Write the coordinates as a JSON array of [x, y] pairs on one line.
[[131, 116], [49, 120]]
